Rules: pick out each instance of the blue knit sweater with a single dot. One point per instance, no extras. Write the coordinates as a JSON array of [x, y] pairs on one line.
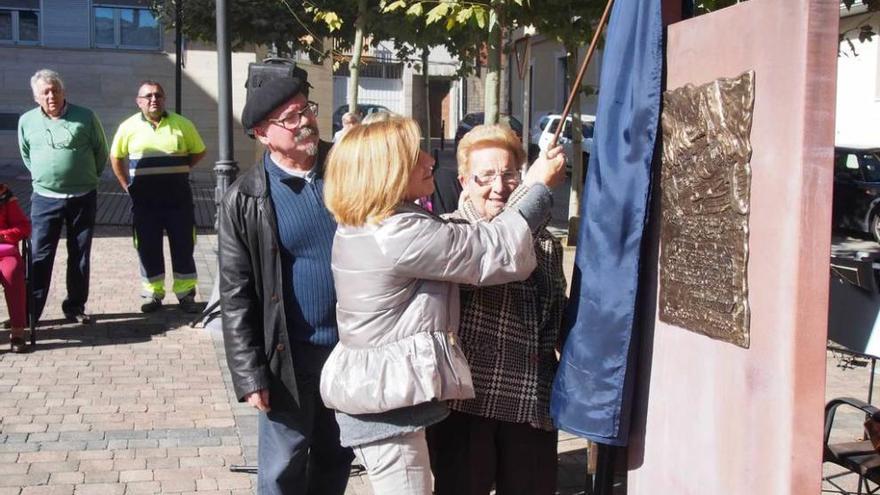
[[305, 235]]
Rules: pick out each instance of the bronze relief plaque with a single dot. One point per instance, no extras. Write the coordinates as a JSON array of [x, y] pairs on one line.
[[704, 232]]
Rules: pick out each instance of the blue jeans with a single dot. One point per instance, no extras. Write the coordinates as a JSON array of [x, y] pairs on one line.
[[77, 216], [299, 451]]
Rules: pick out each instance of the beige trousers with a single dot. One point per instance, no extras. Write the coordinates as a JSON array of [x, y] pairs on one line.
[[398, 465]]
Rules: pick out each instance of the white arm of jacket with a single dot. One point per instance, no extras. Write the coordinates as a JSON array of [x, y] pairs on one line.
[[484, 253]]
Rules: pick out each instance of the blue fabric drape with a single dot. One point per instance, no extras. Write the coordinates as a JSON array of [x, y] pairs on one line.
[[592, 392]]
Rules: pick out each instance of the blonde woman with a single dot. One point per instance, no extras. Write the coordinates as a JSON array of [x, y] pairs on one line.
[[397, 268], [504, 436]]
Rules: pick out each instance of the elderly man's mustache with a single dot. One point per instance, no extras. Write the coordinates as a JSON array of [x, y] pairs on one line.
[[305, 132]]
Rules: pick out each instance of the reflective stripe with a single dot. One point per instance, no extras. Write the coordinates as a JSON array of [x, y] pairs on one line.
[[155, 154], [183, 286], [180, 169], [154, 289]]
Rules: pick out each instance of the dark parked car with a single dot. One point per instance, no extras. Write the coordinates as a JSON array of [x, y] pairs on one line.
[[364, 109], [856, 203], [472, 120]]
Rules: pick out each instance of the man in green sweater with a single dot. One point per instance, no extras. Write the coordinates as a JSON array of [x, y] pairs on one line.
[[64, 147]]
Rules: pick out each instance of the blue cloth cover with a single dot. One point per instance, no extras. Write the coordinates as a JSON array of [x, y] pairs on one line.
[[592, 392]]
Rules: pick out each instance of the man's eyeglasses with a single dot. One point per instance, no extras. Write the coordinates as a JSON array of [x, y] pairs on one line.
[[509, 178], [295, 117], [151, 96]]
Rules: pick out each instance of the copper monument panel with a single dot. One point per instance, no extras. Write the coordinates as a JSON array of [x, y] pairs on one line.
[[704, 231]]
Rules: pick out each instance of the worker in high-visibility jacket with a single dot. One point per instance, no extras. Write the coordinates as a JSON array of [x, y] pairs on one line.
[[152, 154]]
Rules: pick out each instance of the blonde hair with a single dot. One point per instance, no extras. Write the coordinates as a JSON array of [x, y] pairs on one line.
[[488, 136], [368, 170]]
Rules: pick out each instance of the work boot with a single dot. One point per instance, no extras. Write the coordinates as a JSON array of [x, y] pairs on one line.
[[188, 304], [151, 305]]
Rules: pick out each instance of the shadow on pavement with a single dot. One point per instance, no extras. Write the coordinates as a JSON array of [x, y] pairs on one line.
[[106, 329]]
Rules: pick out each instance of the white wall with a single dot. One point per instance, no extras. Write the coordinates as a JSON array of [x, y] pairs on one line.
[[858, 88], [386, 92]]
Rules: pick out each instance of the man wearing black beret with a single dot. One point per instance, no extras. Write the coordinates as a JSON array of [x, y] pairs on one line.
[[277, 293]]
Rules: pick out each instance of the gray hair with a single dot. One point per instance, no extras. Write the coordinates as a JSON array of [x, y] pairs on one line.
[[351, 117], [48, 76]]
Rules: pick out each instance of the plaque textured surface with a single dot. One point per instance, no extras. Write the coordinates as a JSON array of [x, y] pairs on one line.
[[704, 231]]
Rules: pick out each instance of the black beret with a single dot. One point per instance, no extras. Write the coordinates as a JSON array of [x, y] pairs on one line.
[[266, 97]]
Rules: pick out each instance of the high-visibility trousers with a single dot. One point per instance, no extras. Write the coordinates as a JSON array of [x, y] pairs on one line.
[[150, 219]]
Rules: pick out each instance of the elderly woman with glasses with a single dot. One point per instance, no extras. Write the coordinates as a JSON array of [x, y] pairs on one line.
[[504, 436], [396, 269]]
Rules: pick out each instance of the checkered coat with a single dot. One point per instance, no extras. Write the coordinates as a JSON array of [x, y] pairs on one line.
[[509, 334]]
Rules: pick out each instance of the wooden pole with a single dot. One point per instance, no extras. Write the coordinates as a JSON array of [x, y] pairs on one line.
[[576, 86]]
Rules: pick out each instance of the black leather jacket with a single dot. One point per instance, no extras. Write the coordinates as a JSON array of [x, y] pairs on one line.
[[258, 350]]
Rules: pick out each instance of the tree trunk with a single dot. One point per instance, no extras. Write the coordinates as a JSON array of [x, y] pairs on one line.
[[577, 165], [426, 130], [527, 99], [492, 91], [354, 64]]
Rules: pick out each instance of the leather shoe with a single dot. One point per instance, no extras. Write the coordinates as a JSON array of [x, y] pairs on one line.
[[18, 345], [78, 317]]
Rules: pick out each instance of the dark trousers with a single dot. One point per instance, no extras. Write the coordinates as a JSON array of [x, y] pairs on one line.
[[469, 453], [299, 451], [77, 216], [151, 218]]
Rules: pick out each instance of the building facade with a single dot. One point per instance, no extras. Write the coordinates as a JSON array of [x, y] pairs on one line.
[[858, 80], [399, 86], [103, 49], [548, 67]]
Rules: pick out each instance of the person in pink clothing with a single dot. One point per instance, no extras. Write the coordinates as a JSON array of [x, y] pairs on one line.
[[14, 226]]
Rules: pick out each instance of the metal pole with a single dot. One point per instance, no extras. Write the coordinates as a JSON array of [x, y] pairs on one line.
[[226, 168], [604, 479], [178, 52]]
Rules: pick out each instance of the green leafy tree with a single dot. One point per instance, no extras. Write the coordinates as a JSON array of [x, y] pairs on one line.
[[374, 21], [490, 17], [271, 23]]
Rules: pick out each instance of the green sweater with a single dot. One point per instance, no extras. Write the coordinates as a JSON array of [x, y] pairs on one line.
[[66, 155]]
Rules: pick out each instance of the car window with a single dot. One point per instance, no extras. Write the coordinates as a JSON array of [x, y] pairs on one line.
[[846, 166], [543, 122], [870, 165], [587, 128], [554, 123]]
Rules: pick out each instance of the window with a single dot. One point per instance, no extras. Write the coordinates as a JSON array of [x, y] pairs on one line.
[[372, 68], [20, 21], [8, 121], [126, 24]]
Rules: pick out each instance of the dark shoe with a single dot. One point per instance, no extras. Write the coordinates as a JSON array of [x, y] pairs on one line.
[[18, 345], [78, 317], [151, 305], [189, 305]]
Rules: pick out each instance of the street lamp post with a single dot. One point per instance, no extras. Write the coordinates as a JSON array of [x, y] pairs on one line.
[[226, 168]]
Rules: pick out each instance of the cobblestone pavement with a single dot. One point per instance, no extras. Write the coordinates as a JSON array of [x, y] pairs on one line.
[[139, 403]]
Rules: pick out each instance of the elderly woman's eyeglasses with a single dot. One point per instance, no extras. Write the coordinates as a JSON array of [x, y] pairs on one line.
[[509, 178], [295, 117]]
